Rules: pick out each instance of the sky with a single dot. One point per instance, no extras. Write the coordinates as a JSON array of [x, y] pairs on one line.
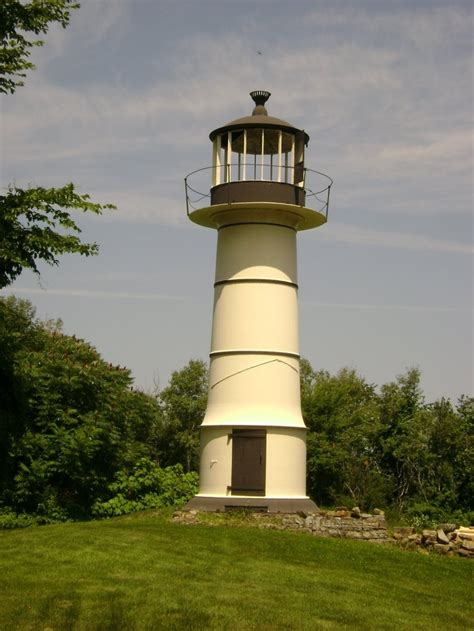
[[122, 103]]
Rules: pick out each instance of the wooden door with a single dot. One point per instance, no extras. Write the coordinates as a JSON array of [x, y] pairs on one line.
[[248, 461]]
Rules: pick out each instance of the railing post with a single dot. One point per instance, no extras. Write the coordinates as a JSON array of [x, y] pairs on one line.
[[327, 202]]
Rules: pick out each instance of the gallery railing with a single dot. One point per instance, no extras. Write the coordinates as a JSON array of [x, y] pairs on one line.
[[316, 185]]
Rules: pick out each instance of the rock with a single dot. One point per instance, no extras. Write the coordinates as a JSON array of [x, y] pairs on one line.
[[356, 512], [342, 508], [380, 519], [447, 528], [441, 548], [465, 535], [465, 553], [441, 537], [365, 515], [403, 531], [468, 545], [342, 512], [378, 511], [429, 535]]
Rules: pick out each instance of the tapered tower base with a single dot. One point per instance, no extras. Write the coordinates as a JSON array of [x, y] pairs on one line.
[[255, 504]]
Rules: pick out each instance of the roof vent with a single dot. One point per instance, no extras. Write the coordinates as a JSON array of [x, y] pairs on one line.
[[260, 97]]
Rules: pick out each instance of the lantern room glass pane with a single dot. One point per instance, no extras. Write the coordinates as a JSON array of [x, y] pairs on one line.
[[256, 154]]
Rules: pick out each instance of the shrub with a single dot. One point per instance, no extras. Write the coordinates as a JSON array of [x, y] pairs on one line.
[[9, 520], [147, 486]]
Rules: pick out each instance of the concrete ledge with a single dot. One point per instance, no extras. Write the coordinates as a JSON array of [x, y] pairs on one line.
[[252, 504]]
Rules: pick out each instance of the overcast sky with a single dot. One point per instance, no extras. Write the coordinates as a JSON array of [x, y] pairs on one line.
[[122, 103]]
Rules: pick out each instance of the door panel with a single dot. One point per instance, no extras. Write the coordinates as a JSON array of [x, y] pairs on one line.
[[248, 462]]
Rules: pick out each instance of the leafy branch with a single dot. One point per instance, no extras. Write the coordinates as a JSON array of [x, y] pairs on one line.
[[29, 223]]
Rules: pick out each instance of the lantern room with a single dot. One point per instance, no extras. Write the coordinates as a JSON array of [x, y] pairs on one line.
[[258, 160], [258, 157]]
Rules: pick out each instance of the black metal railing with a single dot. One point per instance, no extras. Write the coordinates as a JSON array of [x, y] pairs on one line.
[[316, 185]]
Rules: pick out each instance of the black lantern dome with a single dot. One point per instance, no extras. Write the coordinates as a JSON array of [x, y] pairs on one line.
[[259, 119]]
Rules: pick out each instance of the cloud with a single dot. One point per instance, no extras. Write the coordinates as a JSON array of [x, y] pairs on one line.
[[158, 209], [86, 293], [109, 20], [346, 233], [374, 307], [386, 95]]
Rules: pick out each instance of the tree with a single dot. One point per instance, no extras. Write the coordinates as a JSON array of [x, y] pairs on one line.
[[34, 225], [28, 228], [16, 20], [465, 452], [183, 403], [341, 414], [79, 422], [404, 434]]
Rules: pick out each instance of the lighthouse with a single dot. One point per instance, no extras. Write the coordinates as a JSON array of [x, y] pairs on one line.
[[253, 437]]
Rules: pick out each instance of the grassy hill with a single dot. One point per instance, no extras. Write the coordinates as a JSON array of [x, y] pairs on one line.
[[144, 572]]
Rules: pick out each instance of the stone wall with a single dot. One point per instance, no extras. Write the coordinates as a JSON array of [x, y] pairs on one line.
[[339, 523], [447, 539]]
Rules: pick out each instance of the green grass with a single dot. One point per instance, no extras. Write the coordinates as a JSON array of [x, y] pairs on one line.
[[144, 572]]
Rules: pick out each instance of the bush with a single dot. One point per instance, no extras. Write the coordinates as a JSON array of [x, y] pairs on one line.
[[423, 515], [69, 420], [9, 520], [147, 486]]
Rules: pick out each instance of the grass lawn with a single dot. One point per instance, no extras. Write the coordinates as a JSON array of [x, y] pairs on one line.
[[144, 572]]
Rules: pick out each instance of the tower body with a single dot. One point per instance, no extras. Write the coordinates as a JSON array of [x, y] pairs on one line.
[[253, 437]]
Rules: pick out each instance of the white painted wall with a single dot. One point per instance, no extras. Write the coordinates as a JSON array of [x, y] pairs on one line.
[[285, 463], [254, 369]]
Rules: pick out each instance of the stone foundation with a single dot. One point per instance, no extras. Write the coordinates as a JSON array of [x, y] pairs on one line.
[[251, 504], [339, 523]]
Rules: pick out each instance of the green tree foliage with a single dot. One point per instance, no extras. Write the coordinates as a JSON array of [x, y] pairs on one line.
[[34, 222], [76, 439], [341, 414], [390, 448], [465, 452], [18, 20], [404, 434], [29, 223], [69, 421], [183, 403]]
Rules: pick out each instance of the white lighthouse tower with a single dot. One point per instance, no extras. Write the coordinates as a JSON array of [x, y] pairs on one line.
[[253, 437]]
